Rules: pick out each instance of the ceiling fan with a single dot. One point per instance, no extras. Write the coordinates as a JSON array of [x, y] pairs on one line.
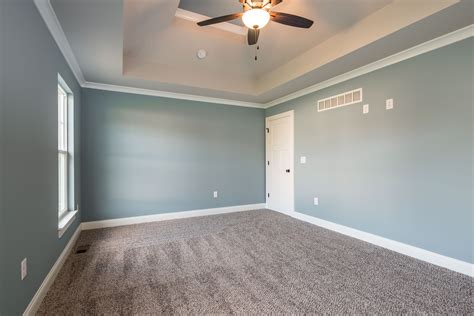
[[257, 14]]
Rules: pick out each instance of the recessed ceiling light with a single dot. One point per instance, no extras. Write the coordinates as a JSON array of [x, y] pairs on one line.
[[201, 54]]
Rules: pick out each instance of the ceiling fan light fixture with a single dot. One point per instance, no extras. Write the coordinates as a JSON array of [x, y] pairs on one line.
[[256, 18]]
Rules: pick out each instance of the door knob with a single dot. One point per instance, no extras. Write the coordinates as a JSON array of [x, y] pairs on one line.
[[287, 170]]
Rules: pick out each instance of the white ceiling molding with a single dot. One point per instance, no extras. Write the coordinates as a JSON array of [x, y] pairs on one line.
[[172, 95], [52, 22], [195, 17], [433, 44], [49, 16], [391, 18]]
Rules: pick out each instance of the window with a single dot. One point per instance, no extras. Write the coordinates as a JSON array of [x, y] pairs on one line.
[[67, 209], [63, 153]]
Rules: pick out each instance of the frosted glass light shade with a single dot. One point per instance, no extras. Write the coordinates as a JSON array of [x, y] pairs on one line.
[[256, 18]]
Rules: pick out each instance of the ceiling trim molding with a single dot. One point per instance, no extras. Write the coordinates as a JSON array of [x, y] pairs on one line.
[[172, 95], [49, 16], [196, 17], [422, 48]]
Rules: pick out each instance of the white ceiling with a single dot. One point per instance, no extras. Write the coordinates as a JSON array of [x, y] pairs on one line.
[[141, 43]]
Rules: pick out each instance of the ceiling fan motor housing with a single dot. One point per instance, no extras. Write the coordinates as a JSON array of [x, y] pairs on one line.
[[256, 4]]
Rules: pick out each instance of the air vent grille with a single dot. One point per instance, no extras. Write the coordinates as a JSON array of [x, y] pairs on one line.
[[343, 99], [82, 249]]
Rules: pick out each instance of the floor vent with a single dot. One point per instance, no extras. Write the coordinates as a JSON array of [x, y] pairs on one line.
[[82, 249], [336, 101]]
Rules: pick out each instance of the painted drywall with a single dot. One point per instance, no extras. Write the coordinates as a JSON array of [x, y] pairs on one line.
[[2, 117], [405, 173], [148, 155], [29, 153]]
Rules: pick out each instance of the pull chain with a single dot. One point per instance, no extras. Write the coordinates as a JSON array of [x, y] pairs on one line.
[[256, 51]]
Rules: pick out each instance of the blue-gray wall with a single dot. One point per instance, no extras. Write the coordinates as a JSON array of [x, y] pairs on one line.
[[31, 62], [148, 155], [404, 174], [2, 118]]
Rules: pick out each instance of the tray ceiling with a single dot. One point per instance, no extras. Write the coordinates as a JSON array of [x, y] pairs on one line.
[[142, 43]]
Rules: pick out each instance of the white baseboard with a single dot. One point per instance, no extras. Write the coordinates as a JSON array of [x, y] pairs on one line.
[[35, 303], [418, 253], [48, 281], [415, 252], [168, 216]]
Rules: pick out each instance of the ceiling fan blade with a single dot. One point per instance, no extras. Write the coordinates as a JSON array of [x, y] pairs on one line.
[[221, 19], [252, 36], [290, 19], [275, 2]]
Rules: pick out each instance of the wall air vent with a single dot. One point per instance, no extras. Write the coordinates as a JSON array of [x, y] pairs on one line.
[[336, 101]]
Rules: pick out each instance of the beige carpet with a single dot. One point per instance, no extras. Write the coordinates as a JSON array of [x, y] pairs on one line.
[[248, 262]]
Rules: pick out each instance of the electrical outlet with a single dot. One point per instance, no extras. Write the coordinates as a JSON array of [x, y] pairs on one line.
[[365, 108], [24, 268], [303, 159], [215, 194], [316, 201], [389, 104]]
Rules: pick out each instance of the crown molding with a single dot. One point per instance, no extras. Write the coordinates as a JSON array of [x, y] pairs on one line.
[[49, 16], [165, 94], [52, 22], [422, 48], [196, 17]]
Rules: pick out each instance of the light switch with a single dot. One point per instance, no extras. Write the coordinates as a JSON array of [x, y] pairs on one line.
[[389, 104], [302, 159], [215, 194], [365, 108], [316, 201]]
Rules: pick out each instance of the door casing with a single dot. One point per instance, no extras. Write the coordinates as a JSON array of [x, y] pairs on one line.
[[290, 115]]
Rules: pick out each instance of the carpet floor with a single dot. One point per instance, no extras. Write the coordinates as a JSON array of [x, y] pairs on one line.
[[250, 263]]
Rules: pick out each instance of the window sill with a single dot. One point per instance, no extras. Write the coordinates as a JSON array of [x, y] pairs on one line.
[[65, 222]]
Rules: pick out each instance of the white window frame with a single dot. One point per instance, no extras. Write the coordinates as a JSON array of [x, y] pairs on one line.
[[63, 152], [65, 125]]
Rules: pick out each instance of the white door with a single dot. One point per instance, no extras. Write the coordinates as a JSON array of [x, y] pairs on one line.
[[279, 152]]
